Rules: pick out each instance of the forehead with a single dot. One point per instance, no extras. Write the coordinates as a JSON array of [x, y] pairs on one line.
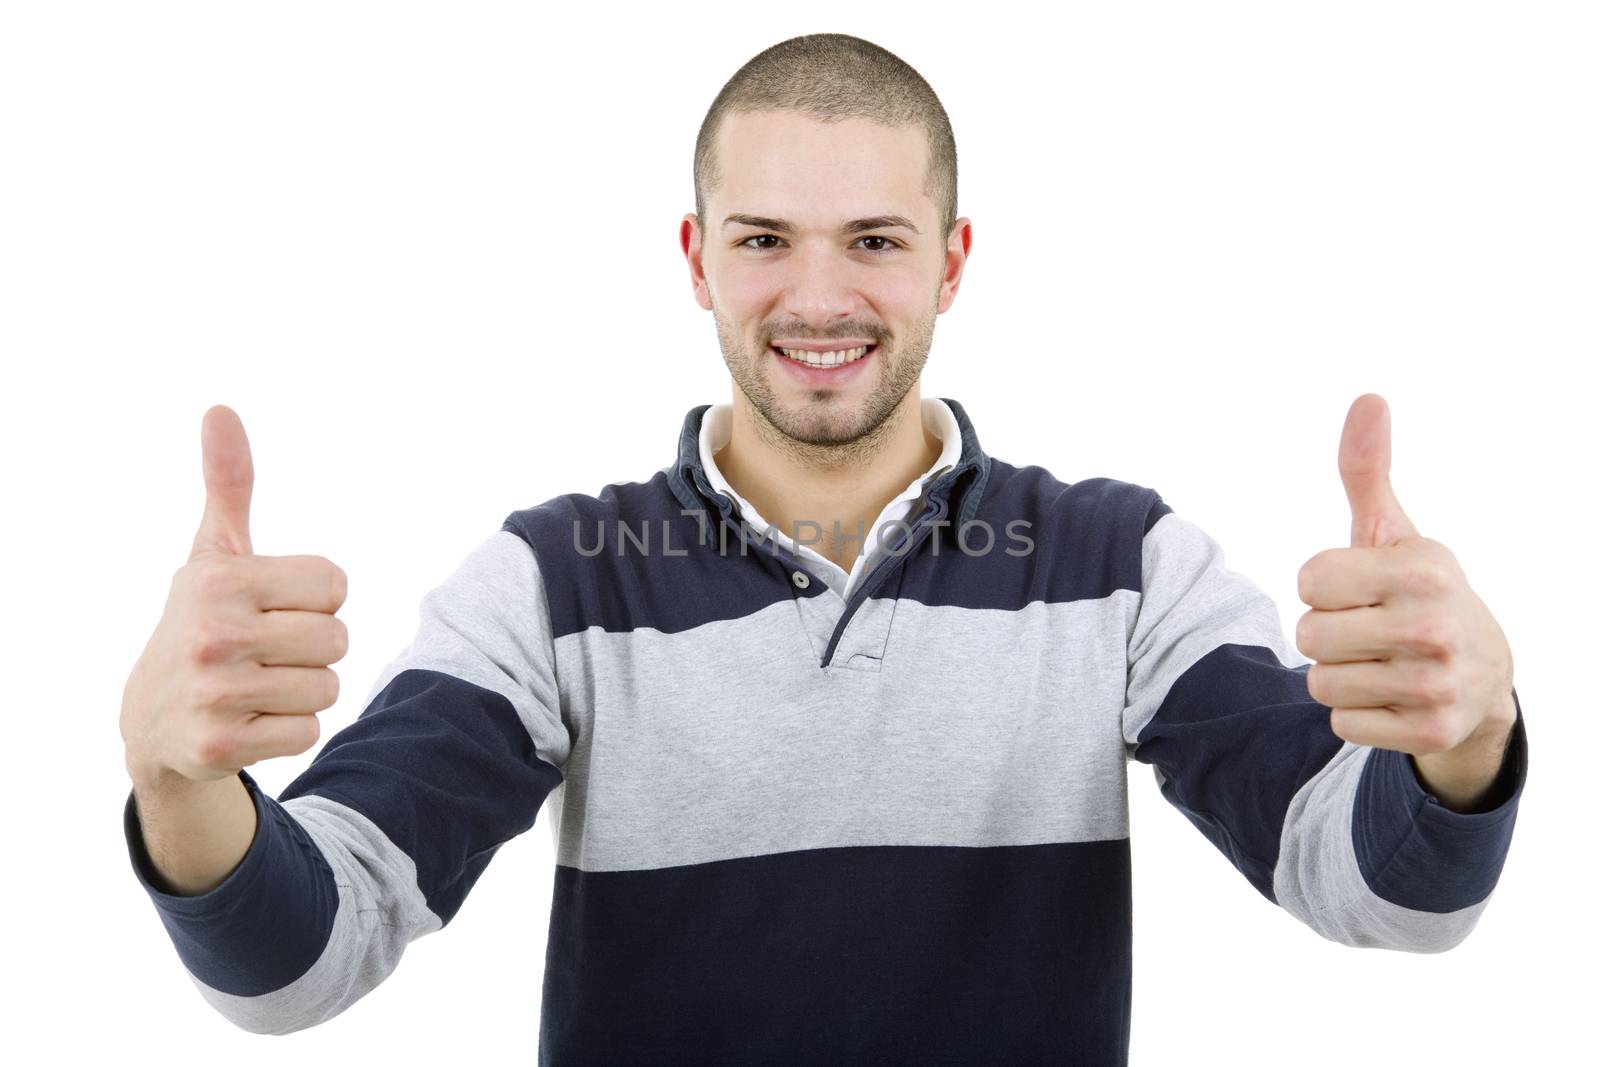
[[792, 165]]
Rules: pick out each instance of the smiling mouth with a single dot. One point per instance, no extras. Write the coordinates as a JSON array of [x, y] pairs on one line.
[[837, 358]]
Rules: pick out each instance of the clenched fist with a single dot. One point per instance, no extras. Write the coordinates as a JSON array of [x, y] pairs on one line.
[[238, 665]]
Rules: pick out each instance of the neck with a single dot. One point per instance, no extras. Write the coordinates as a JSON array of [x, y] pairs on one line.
[[793, 483]]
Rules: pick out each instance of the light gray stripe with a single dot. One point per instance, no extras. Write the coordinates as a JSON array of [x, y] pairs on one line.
[[1318, 881], [979, 727], [1191, 605], [488, 623], [380, 912]]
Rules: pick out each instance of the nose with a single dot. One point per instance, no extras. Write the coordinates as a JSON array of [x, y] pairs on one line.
[[820, 286]]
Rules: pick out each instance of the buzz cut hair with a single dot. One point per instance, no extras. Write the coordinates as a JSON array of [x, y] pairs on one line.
[[833, 77]]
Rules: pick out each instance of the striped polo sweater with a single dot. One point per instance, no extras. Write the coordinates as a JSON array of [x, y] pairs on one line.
[[792, 827], [937, 420]]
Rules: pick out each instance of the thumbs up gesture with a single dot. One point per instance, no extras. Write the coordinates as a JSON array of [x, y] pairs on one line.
[[1407, 656], [238, 664]]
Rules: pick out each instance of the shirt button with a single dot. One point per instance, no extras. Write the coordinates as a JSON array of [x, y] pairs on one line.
[[801, 579]]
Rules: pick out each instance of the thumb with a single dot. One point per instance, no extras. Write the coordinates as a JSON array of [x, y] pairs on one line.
[[229, 475], [1376, 518]]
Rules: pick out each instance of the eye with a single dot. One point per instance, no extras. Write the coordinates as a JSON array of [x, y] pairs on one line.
[[891, 242]]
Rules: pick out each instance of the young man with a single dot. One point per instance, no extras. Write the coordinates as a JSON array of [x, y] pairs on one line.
[[833, 712]]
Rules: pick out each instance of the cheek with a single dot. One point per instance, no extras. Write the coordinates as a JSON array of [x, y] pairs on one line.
[[901, 294], [742, 292]]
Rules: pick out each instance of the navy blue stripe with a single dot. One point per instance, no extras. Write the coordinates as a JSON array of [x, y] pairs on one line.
[[266, 923], [881, 954], [1417, 853], [1235, 738], [1069, 541], [446, 770], [1086, 543], [1158, 508], [622, 588]]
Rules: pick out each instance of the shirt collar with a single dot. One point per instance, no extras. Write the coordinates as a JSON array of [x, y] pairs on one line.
[[960, 486], [937, 418]]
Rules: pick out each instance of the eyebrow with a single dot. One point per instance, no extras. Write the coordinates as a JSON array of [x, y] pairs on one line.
[[873, 222]]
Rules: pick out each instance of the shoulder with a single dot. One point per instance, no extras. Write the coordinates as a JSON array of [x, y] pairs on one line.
[[1041, 538], [632, 555], [1096, 507], [628, 501]]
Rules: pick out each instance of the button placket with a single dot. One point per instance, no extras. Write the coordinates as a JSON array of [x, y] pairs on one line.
[[816, 615], [865, 642]]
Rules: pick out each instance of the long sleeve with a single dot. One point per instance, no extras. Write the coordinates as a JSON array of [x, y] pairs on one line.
[[1344, 837], [382, 836]]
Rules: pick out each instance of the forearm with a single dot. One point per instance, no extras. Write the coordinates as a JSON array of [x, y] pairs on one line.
[[196, 832]]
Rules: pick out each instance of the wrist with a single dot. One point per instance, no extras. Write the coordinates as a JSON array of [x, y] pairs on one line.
[[149, 777]]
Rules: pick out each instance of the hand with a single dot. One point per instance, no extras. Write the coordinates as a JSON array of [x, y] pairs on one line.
[[1408, 657], [237, 666]]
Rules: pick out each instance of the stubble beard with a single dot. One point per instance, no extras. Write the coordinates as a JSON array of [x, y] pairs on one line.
[[825, 431]]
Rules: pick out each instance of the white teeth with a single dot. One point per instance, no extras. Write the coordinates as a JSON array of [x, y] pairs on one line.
[[825, 359]]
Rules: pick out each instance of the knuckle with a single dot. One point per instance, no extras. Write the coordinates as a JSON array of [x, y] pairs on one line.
[[214, 748], [341, 638], [1437, 688], [214, 641], [1436, 734], [204, 692], [1420, 635], [1441, 552], [1427, 577], [330, 689], [214, 579], [338, 582], [312, 731], [1302, 632], [1436, 635], [1311, 572], [1314, 685]]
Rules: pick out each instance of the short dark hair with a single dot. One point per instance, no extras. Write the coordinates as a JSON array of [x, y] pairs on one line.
[[832, 77]]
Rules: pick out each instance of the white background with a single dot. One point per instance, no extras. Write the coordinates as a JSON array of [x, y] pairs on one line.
[[416, 247]]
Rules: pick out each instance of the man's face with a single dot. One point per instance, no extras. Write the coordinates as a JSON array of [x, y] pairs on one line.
[[782, 259]]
